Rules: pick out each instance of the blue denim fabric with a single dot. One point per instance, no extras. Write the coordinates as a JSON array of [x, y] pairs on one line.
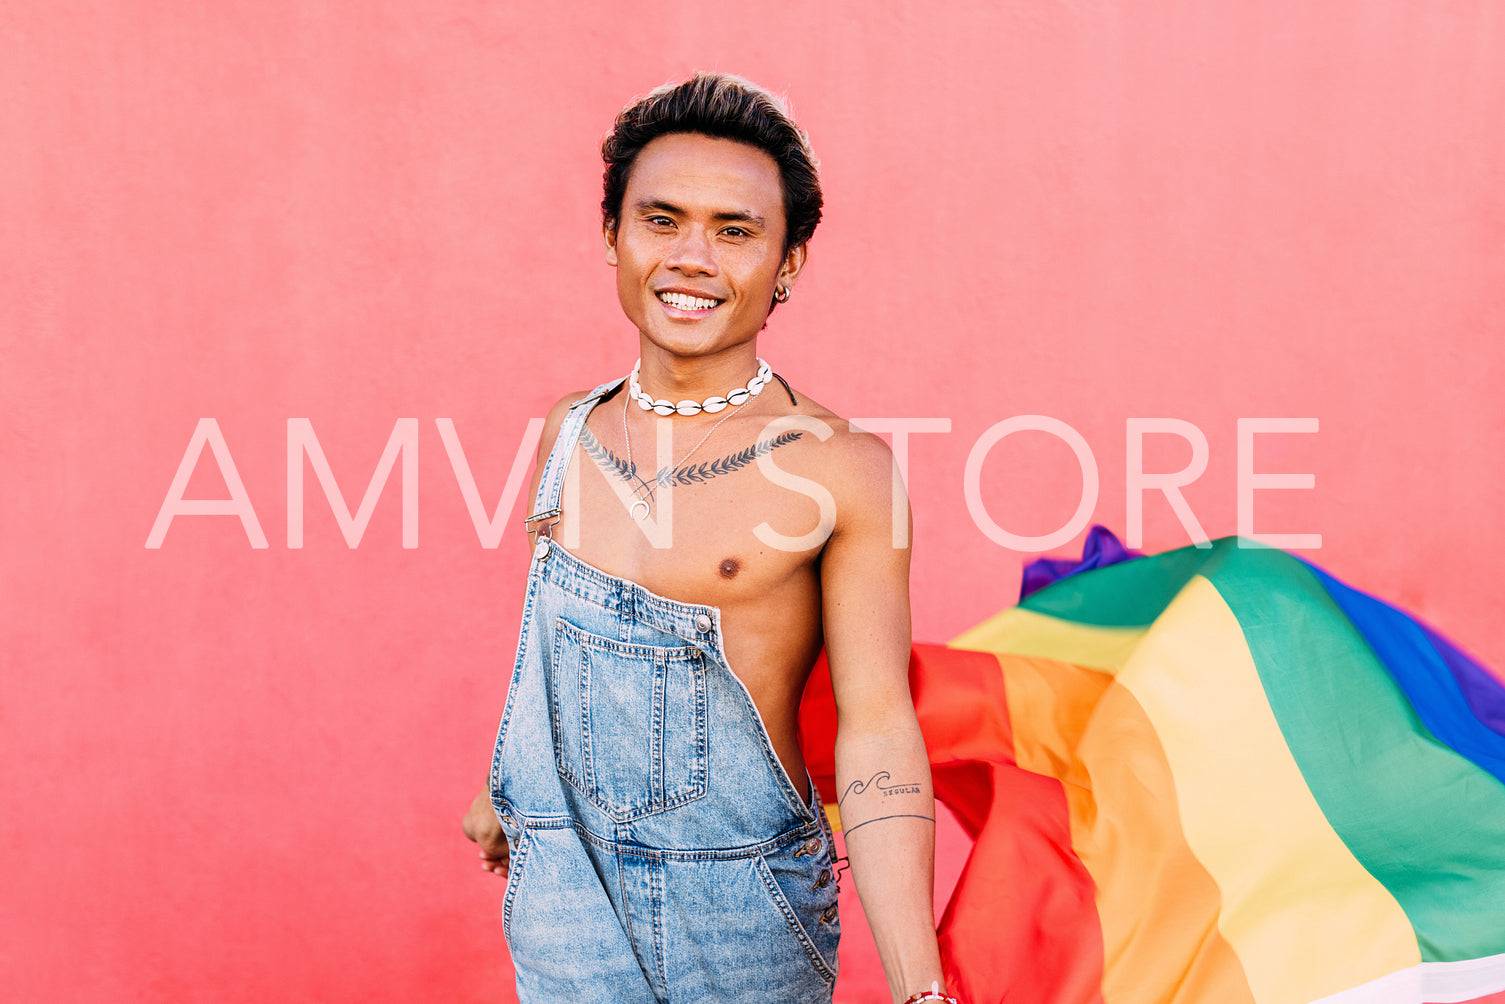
[[660, 852]]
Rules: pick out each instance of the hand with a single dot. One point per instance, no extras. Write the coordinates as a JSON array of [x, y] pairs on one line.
[[482, 826]]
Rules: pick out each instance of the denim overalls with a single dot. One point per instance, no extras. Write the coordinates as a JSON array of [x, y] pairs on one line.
[[660, 852]]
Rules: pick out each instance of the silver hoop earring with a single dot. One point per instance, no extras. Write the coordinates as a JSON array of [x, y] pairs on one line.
[[781, 294]]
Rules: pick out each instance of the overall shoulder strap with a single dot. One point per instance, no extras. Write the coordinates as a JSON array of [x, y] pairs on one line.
[[546, 511]]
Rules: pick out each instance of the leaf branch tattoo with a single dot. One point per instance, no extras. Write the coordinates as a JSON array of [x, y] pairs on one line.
[[672, 477], [609, 461]]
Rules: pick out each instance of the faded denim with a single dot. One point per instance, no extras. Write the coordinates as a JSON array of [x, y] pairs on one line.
[[660, 852]]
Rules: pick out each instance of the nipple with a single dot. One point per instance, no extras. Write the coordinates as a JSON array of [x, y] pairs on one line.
[[730, 567]]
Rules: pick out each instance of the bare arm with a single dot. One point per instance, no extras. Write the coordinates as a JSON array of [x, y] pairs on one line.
[[887, 808]]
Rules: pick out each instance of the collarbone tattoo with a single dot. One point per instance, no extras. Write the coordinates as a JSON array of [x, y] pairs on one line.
[[685, 474]]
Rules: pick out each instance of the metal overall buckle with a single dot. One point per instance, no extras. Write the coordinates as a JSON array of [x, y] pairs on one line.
[[540, 527]]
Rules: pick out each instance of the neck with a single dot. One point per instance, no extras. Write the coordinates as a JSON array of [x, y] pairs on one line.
[[677, 378]]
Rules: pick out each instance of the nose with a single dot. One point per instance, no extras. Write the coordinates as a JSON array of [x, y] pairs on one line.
[[692, 253]]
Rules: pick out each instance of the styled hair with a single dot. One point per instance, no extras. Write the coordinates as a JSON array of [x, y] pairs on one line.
[[723, 107]]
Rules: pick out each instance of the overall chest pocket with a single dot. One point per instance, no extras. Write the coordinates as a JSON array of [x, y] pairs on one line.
[[628, 721]]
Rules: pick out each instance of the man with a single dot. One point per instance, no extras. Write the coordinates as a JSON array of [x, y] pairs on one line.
[[701, 529]]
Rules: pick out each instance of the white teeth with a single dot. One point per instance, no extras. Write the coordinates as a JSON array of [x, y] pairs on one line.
[[683, 301]]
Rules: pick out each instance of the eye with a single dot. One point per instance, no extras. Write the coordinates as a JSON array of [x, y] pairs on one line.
[[735, 232], [660, 221]]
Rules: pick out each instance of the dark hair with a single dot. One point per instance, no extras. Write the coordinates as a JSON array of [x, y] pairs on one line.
[[724, 107]]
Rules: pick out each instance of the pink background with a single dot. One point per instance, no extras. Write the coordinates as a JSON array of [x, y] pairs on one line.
[[236, 775]]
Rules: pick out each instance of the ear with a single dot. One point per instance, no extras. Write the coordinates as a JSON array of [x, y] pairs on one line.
[[794, 263], [609, 235]]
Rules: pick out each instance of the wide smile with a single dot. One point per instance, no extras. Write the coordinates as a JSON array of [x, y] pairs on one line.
[[687, 304]]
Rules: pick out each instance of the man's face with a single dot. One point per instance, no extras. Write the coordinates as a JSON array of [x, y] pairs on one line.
[[699, 246]]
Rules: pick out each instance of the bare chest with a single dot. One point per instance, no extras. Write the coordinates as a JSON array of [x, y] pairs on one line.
[[723, 527]]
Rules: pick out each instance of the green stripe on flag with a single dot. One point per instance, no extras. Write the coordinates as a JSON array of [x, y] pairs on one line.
[[1424, 821], [1129, 594]]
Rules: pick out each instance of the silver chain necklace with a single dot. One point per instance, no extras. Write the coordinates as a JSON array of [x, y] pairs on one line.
[[645, 489]]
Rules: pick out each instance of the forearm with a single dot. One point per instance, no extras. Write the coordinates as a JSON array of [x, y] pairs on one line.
[[888, 818]]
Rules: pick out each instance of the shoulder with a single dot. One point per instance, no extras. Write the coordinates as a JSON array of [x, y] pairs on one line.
[[555, 418], [852, 450], [560, 408], [869, 542], [856, 466]]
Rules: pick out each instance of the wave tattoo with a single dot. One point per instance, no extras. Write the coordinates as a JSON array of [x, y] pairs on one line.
[[881, 781]]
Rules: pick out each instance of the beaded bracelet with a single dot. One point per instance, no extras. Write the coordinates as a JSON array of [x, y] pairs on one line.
[[933, 994]]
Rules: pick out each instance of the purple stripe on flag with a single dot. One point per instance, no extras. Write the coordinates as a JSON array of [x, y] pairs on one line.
[[1485, 694]]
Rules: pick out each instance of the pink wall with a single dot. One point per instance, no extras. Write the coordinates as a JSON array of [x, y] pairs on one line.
[[235, 774]]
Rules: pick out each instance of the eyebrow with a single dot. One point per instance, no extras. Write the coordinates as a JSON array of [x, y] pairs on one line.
[[726, 216]]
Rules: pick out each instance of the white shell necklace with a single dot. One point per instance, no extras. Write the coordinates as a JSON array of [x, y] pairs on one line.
[[736, 399], [711, 405]]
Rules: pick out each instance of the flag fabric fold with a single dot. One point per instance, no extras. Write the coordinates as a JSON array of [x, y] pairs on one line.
[[1212, 776]]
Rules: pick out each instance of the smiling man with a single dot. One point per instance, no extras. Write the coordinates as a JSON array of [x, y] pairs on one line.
[[701, 529]]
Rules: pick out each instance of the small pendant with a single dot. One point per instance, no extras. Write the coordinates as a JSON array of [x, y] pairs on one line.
[[632, 510]]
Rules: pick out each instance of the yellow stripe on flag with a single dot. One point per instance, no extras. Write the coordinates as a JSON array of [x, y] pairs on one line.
[[1157, 905], [1017, 631], [1251, 820]]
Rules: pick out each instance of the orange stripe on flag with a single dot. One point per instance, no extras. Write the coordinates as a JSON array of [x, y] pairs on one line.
[[1023, 913], [1157, 905]]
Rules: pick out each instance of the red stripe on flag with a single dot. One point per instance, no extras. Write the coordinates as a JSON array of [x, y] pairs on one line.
[[1022, 921]]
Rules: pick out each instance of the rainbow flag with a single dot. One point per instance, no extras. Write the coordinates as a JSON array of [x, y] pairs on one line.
[[1214, 776]]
